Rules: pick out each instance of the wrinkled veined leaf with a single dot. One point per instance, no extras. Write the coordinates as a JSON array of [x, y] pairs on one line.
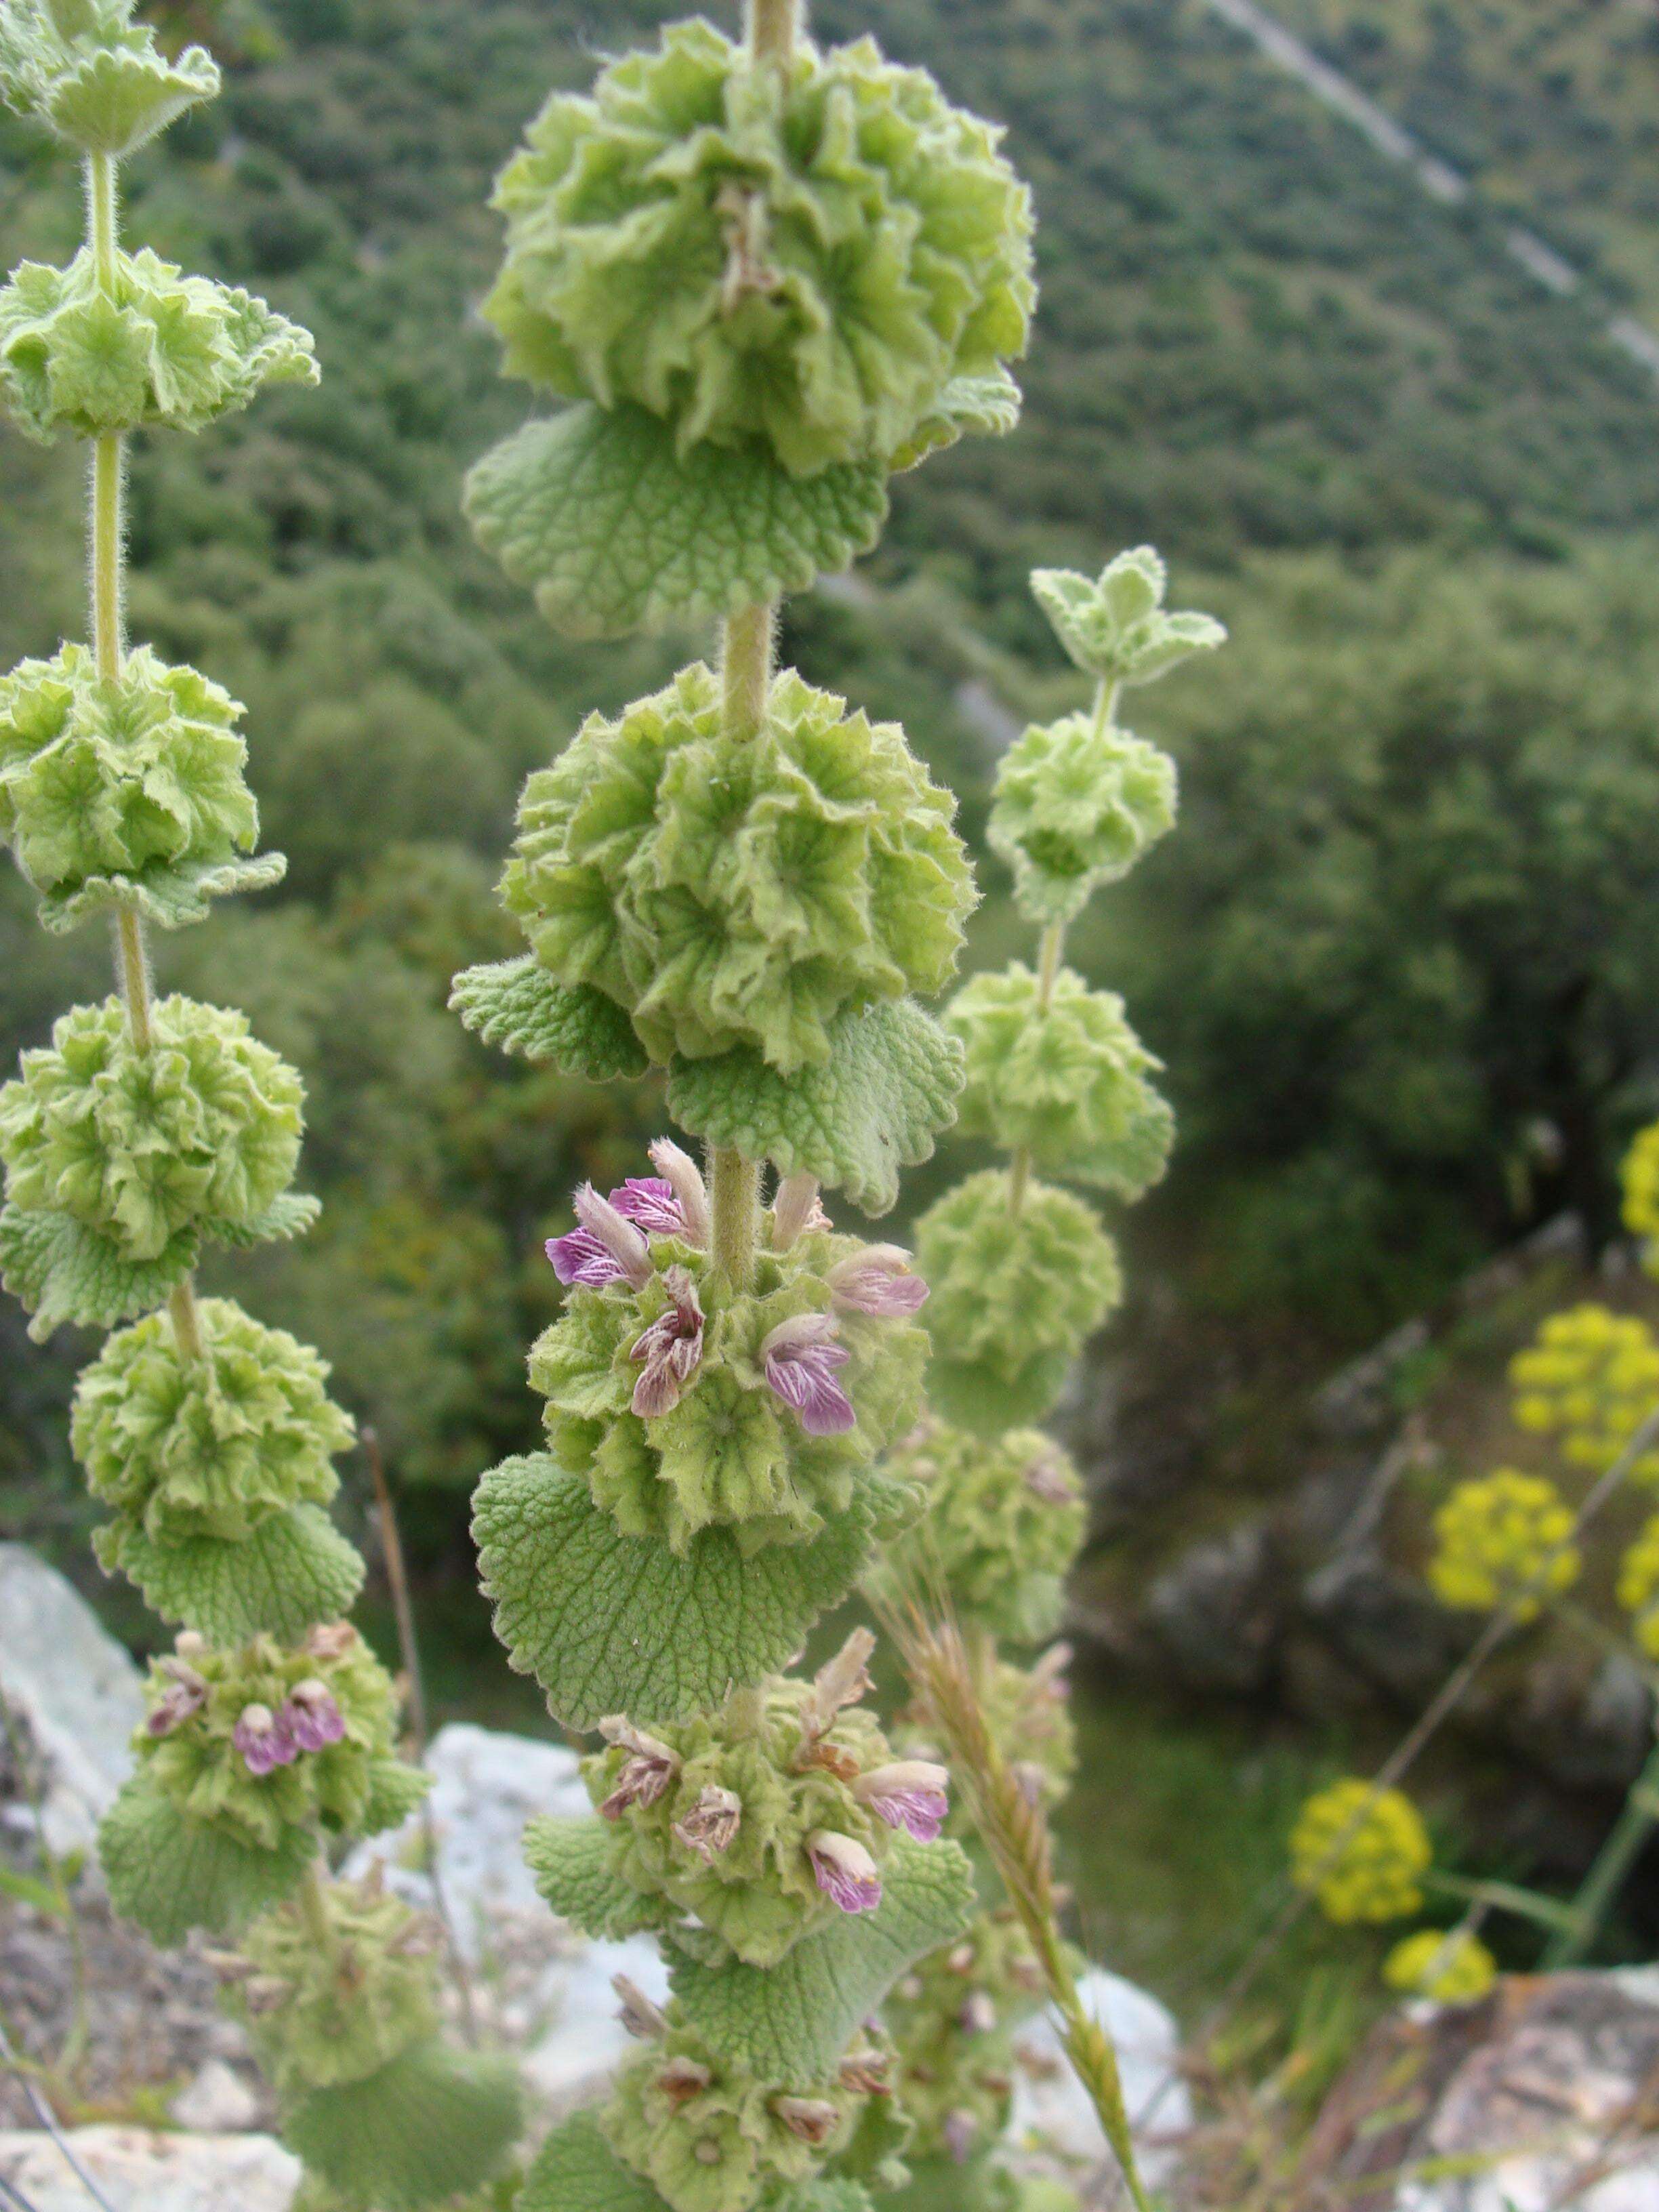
[[793, 2021], [171, 1873], [609, 1623], [593, 512], [295, 1569], [577, 2170], [875, 1105], [169, 898], [569, 1857], [987, 404], [62, 1271], [283, 1219], [435, 2121], [517, 1006]]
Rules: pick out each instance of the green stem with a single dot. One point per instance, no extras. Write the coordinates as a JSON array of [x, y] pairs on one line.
[[1106, 698], [1019, 1174], [107, 469], [774, 26], [313, 1906], [1048, 960], [1600, 1888], [745, 668], [186, 1318], [132, 969], [1506, 1897], [735, 1207]]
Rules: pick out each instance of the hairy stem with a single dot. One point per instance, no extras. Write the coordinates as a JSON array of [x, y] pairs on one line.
[[186, 1318], [313, 1905], [1019, 1174], [132, 970], [735, 1210], [1106, 698], [773, 27], [1599, 1891], [1048, 960], [746, 668]]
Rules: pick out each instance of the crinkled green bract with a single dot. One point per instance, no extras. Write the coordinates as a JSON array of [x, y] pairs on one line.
[[93, 76], [1076, 807], [201, 1131], [731, 891], [200, 1699], [210, 1446], [1014, 1296], [811, 260], [1004, 1520], [731, 1453], [712, 2137], [756, 1892], [1116, 627], [126, 790], [1067, 1082], [164, 350], [952, 2019], [320, 2013]]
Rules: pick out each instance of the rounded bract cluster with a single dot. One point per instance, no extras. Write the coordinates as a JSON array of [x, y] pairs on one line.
[[126, 789], [1076, 807], [320, 2012], [729, 891], [1638, 1588], [266, 1740], [1504, 1539], [161, 351], [1590, 1380], [208, 1446], [1068, 1081], [730, 1826], [1014, 1296], [202, 1130], [1003, 1521], [952, 2019], [711, 2134], [1451, 1966], [1362, 1853], [808, 260]]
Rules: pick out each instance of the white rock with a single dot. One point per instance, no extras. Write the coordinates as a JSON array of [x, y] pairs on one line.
[[570, 2060], [215, 2102], [140, 2171], [75, 1691], [1053, 2111]]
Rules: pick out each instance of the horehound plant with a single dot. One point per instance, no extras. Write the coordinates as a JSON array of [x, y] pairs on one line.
[[1021, 1272], [149, 1131]]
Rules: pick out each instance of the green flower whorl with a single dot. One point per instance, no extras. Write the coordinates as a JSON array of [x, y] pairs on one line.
[[167, 351], [1004, 1520], [1067, 1083], [811, 260], [124, 790], [202, 1130], [951, 2019], [729, 892], [1014, 1296], [1076, 807], [209, 1446]]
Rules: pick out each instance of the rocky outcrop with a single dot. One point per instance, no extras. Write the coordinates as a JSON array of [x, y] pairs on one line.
[[142, 2171]]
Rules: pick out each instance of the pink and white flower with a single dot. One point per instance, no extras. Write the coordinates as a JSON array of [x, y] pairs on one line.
[[877, 1281], [264, 1739], [907, 1794], [313, 1719], [604, 1247], [649, 1202], [796, 1207], [681, 1173], [844, 1870], [801, 1357], [670, 1348], [184, 1697]]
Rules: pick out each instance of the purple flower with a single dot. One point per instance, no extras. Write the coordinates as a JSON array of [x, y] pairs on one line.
[[651, 1205], [908, 1794], [680, 1171], [184, 1697], [313, 1719], [796, 1207], [844, 1871], [646, 1772], [801, 1357], [670, 1348], [604, 1248], [264, 1739], [877, 1281]]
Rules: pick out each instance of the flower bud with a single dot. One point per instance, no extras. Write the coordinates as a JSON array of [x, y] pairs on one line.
[[637, 2014], [680, 1171], [795, 1209]]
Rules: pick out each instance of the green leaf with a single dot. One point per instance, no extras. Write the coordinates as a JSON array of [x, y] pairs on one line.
[[518, 1006], [793, 2023], [170, 1872], [987, 404], [286, 1218], [875, 1105], [594, 512], [434, 2122], [577, 2170], [117, 99], [569, 1857], [295, 1570], [170, 897], [609, 1623], [822, 2197], [62, 1271]]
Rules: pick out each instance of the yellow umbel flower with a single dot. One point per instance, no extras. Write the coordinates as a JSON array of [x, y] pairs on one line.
[[1640, 1175], [1499, 1536], [1591, 1379], [1361, 1856], [1638, 1588], [1453, 1967]]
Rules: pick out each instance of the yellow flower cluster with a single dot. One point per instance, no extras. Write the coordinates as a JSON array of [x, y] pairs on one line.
[[1638, 1588], [1641, 1179], [1499, 1536], [1361, 1856], [1454, 1967], [1591, 1379]]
